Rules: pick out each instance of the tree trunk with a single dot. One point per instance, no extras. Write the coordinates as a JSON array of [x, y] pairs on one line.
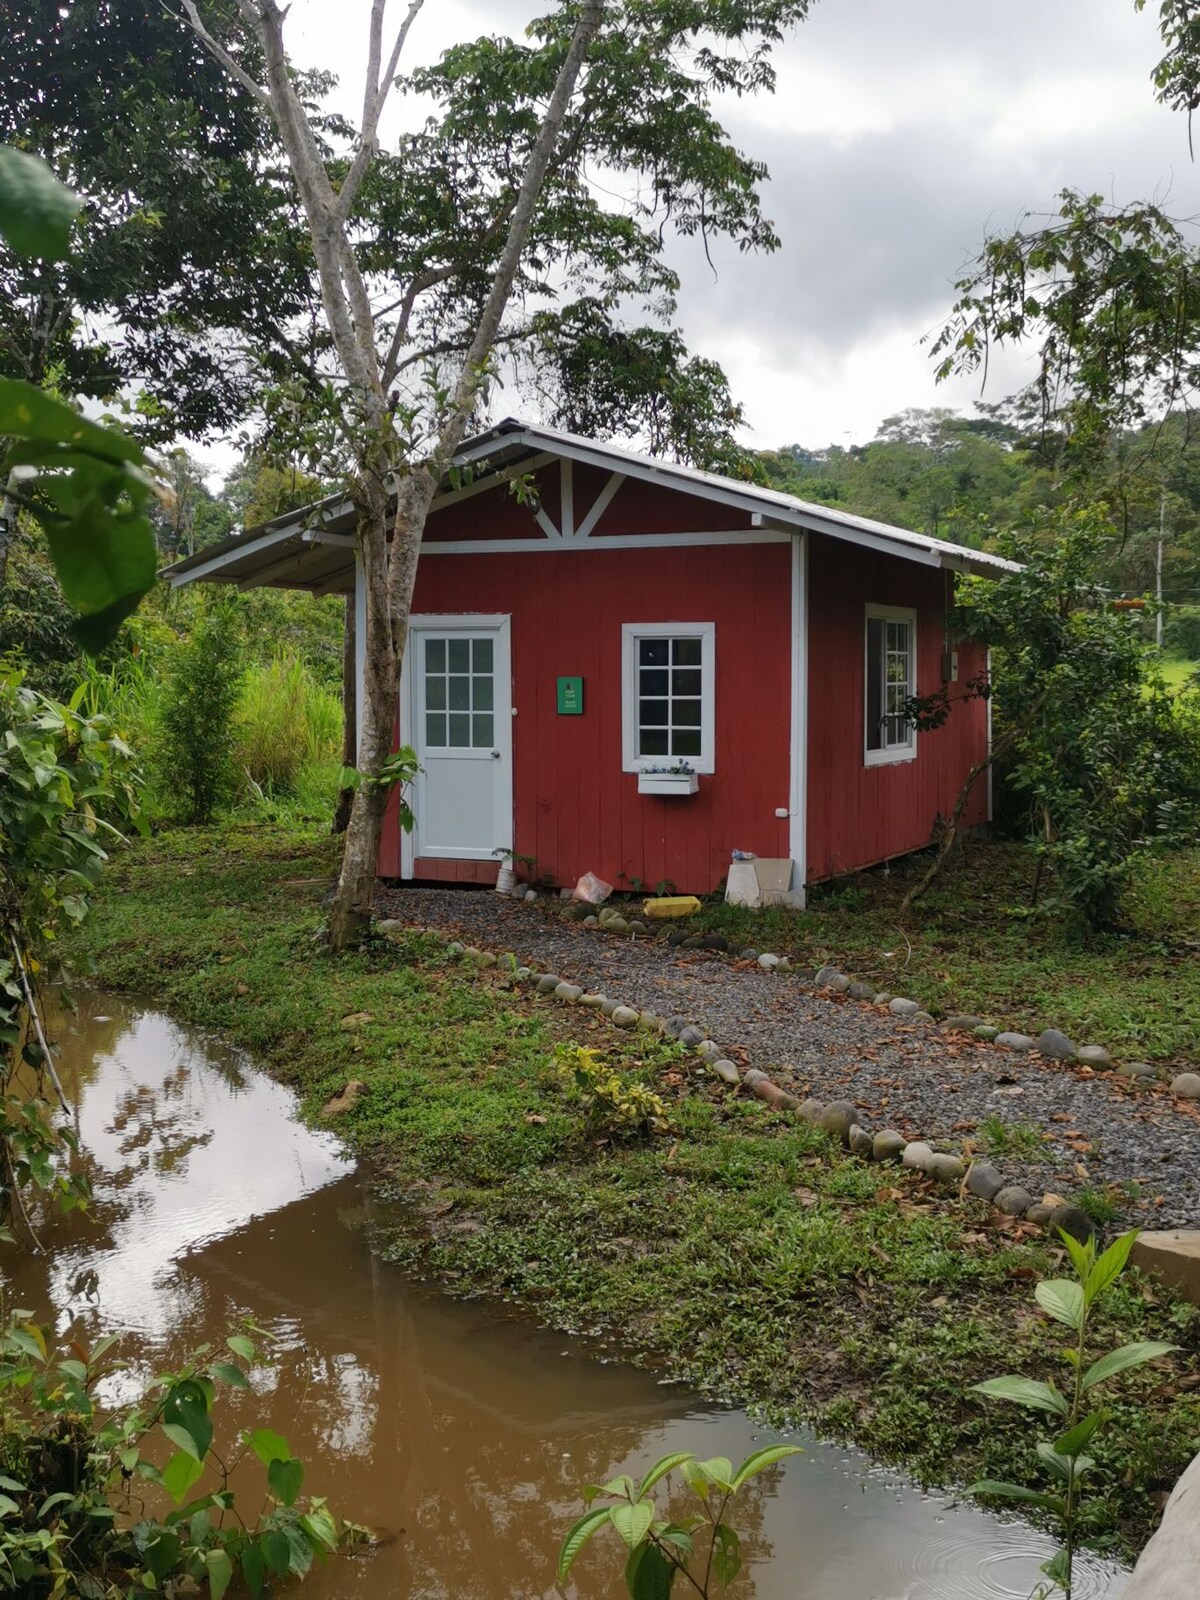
[[345, 799]]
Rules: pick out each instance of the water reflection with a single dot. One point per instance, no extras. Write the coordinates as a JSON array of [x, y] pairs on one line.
[[463, 1435]]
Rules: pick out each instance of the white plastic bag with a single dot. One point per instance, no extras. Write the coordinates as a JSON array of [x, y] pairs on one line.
[[592, 889]]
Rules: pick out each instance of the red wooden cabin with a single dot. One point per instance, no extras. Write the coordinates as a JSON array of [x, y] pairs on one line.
[[651, 667]]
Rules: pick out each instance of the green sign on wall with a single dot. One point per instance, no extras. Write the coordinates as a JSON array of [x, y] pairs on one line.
[[570, 697]]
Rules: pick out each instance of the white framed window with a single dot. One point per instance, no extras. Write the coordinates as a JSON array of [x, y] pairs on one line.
[[668, 702], [891, 680]]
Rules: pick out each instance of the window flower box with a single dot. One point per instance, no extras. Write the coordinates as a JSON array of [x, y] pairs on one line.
[[667, 783]]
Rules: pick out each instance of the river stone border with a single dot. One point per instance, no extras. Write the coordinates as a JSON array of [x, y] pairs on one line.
[[839, 1118], [1051, 1042]]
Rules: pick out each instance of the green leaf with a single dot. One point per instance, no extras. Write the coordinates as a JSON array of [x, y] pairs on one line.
[[1109, 1265], [760, 1460], [1016, 1491], [660, 1469], [632, 1522], [254, 1568], [28, 413], [1073, 1442], [105, 561], [716, 1470], [622, 1487], [1129, 1355], [1024, 1392], [1082, 1255], [228, 1373], [727, 1553], [220, 1572], [162, 1554], [186, 1409], [7, 1505], [577, 1536], [648, 1574], [285, 1478], [180, 1473], [268, 1446], [241, 1346], [277, 1552], [36, 211], [1062, 1300], [1059, 1465]]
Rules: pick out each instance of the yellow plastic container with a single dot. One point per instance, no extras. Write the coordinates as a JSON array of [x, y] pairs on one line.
[[667, 906]]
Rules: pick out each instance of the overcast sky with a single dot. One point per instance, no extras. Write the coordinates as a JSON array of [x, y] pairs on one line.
[[901, 131]]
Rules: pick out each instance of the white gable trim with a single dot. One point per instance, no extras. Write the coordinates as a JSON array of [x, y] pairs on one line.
[[617, 541]]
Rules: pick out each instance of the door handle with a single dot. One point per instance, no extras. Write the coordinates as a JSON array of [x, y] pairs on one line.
[[495, 755]]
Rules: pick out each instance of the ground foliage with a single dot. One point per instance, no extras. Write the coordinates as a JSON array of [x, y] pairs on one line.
[[739, 1252]]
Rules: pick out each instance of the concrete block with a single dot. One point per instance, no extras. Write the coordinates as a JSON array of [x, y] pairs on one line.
[[1173, 1256], [761, 882]]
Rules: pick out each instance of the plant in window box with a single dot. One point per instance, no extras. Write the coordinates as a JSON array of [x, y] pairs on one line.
[[678, 779]]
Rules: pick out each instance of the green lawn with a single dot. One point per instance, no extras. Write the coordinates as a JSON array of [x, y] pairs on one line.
[[973, 946], [739, 1251], [1178, 673]]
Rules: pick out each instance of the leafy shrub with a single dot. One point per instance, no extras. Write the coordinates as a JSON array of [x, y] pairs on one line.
[[286, 721], [1181, 632], [73, 1519], [613, 1101], [195, 755]]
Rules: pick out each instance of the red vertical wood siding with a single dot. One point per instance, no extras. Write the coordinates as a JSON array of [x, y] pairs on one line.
[[575, 809], [857, 814]]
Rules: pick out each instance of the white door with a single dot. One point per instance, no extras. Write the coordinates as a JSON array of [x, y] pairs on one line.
[[459, 704]]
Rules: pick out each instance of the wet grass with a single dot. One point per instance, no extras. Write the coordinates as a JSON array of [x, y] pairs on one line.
[[975, 946], [740, 1251]]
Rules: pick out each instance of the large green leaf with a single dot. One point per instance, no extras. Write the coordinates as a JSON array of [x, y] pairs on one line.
[[269, 1446], [660, 1469], [36, 211], [285, 1478], [632, 1522], [717, 1470], [727, 1553], [180, 1473], [1073, 1442], [1109, 1265], [30, 414], [577, 1536], [220, 1572], [1016, 1491], [1062, 1300], [1129, 1355], [648, 1574], [1024, 1392], [185, 1417], [760, 1460]]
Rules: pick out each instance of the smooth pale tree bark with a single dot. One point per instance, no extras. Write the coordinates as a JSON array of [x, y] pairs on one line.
[[391, 493]]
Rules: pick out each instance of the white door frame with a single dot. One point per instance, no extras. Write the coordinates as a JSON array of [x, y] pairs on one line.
[[500, 624]]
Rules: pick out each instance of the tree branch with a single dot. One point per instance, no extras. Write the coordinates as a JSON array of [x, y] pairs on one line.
[[220, 54], [374, 99]]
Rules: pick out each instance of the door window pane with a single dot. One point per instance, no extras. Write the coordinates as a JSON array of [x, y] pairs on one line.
[[481, 693], [481, 655], [460, 694], [435, 693], [435, 655], [435, 730], [458, 655], [460, 731], [481, 731]]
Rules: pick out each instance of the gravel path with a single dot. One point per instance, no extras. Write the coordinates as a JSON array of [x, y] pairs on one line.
[[927, 1082]]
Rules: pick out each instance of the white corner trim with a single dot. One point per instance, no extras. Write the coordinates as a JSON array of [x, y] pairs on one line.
[[360, 652], [991, 770], [798, 793], [566, 495], [600, 504], [898, 753], [631, 632]]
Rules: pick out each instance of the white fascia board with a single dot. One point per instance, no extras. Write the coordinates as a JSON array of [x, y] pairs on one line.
[[231, 558]]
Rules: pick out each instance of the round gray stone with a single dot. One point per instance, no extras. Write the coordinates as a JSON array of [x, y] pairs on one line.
[[726, 1071], [615, 925], [824, 974], [1137, 1069], [888, 1145], [984, 1180], [1013, 1200], [840, 984], [709, 1050], [810, 1110], [1094, 1055], [1014, 1041], [568, 991], [1186, 1085], [691, 1036], [1039, 1215], [391, 925], [768, 962], [986, 1030], [922, 1016], [755, 1076], [838, 1117], [1056, 1045], [485, 958], [1072, 1220], [964, 1024], [548, 982], [591, 922], [674, 1026], [945, 1168], [917, 1155], [638, 926], [882, 998], [861, 1143], [607, 1007], [594, 1002], [624, 1017], [530, 896], [524, 972], [749, 955], [861, 991], [904, 1008], [456, 947], [785, 964]]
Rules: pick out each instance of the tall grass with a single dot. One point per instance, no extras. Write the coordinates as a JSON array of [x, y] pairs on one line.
[[286, 723]]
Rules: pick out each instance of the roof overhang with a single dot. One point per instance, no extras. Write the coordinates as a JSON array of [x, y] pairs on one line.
[[313, 549]]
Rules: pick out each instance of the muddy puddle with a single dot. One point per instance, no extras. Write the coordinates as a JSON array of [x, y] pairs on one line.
[[462, 1433]]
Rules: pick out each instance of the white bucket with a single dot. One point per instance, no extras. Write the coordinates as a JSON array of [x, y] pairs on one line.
[[506, 881]]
